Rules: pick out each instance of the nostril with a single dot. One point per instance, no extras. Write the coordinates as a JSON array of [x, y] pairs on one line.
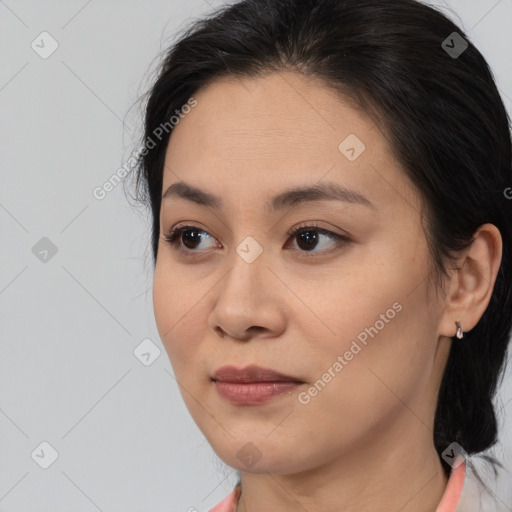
[[246, 333]]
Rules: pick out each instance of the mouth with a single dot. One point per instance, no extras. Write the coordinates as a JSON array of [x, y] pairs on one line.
[[252, 374], [252, 385]]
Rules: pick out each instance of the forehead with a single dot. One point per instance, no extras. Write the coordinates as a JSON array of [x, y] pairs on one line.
[[271, 113], [281, 129]]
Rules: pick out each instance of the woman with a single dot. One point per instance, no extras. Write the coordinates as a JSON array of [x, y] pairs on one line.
[[331, 237]]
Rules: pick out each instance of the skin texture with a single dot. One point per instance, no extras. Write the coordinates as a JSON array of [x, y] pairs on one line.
[[365, 441]]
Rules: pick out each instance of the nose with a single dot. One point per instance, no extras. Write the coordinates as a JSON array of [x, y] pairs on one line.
[[244, 335], [249, 302]]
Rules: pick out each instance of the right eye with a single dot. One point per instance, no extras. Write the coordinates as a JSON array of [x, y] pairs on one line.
[[186, 236]]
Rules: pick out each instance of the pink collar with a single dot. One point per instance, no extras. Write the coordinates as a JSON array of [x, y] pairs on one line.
[[448, 503], [453, 491], [228, 504]]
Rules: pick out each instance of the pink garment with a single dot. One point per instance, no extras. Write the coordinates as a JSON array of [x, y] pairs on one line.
[[453, 491], [448, 503], [228, 504]]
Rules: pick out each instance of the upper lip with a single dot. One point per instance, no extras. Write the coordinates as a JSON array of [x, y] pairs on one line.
[[251, 373]]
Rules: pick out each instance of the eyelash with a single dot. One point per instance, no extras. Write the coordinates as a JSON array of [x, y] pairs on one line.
[[173, 238]]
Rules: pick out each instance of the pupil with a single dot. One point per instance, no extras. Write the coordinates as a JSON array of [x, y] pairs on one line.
[[195, 239], [310, 240]]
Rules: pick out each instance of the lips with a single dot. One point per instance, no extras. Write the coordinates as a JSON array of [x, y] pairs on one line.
[[251, 373], [253, 385]]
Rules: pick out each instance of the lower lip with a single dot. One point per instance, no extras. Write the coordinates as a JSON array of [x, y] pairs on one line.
[[253, 393]]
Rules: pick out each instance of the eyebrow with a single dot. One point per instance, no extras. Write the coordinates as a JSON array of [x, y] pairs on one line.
[[325, 191]]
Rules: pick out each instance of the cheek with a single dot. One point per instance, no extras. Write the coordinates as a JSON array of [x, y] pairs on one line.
[[374, 381], [393, 359], [164, 304], [374, 319], [349, 309], [174, 315]]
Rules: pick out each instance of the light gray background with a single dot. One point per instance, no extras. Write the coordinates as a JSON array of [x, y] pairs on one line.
[[68, 373]]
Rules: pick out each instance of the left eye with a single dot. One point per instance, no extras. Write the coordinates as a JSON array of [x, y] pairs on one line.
[[308, 238]]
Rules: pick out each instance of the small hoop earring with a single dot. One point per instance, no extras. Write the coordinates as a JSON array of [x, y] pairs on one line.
[[459, 330]]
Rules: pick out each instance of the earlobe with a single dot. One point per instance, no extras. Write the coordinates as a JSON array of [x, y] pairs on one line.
[[471, 286]]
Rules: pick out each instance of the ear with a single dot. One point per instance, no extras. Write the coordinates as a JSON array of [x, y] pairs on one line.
[[470, 287]]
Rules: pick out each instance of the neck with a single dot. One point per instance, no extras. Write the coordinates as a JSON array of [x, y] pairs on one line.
[[404, 474]]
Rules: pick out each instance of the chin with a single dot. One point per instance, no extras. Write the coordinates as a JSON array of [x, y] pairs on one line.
[[257, 456]]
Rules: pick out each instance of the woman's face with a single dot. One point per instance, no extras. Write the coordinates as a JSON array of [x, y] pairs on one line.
[[351, 317]]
